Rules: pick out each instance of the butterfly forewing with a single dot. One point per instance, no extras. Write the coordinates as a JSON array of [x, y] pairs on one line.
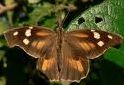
[[34, 40], [92, 43]]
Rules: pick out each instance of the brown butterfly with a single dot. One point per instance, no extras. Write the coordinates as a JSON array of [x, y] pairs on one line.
[[62, 55]]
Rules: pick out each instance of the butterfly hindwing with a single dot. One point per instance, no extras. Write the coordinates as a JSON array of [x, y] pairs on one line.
[[48, 64], [93, 43], [75, 66], [33, 40]]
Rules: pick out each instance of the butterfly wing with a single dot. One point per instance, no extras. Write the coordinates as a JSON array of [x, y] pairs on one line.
[[33, 40], [81, 45], [75, 66], [48, 65], [93, 43], [38, 42]]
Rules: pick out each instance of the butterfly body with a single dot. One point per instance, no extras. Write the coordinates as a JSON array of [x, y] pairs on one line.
[[62, 55]]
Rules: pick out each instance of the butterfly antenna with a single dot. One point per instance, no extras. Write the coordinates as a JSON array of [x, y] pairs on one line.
[[65, 17], [61, 20]]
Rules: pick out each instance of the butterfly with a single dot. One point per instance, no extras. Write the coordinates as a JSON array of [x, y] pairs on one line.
[[62, 55]]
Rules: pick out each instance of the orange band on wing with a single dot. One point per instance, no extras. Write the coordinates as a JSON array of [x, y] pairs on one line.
[[87, 46], [42, 34], [39, 44], [47, 64], [92, 45], [76, 65], [80, 35], [34, 43]]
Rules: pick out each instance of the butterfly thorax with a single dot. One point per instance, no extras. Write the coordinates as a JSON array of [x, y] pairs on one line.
[[59, 32]]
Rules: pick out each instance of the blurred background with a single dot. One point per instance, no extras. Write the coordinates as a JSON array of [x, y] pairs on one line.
[[18, 68]]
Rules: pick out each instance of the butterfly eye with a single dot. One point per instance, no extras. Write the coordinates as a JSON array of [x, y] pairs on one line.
[[98, 19], [81, 20]]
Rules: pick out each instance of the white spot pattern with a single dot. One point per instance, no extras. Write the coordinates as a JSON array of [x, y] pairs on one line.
[[26, 41], [96, 35], [28, 33], [110, 37], [100, 43], [30, 27], [92, 30], [15, 33]]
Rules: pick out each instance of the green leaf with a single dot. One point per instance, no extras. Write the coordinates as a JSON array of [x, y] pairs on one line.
[[115, 56], [2, 80], [111, 12], [1, 54], [33, 1], [9, 13], [49, 22], [39, 12], [3, 26]]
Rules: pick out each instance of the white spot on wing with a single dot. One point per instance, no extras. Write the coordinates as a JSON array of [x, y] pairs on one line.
[[26, 41], [28, 33], [96, 35], [100, 43], [110, 37], [30, 27], [15, 33], [92, 30]]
